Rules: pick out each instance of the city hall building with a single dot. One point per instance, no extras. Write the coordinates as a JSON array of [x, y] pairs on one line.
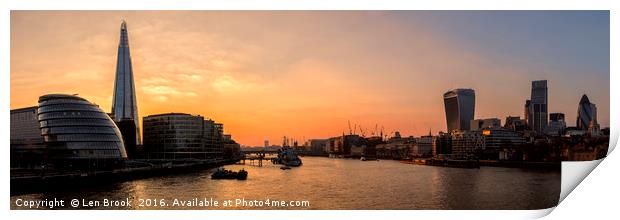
[[66, 132]]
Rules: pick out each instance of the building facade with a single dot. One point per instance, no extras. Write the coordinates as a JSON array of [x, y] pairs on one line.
[[586, 113], [173, 136], [178, 136], [342, 145], [460, 107], [526, 113], [213, 137], [443, 145], [478, 124], [467, 144], [79, 134], [538, 114], [557, 124], [426, 146], [124, 103], [27, 146], [316, 147], [515, 123], [396, 148], [500, 143]]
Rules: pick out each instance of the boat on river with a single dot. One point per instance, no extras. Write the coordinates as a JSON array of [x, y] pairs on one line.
[[229, 174], [367, 158], [288, 157]]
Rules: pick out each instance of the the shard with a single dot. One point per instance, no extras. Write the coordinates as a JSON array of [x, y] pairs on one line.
[[124, 105]]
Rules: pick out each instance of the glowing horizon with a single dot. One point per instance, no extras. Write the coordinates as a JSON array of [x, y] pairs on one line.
[[304, 75]]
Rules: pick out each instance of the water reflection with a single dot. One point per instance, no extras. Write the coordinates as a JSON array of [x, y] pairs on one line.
[[343, 184]]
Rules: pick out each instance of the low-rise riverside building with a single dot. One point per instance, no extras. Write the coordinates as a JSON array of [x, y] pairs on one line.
[[174, 136], [27, 146]]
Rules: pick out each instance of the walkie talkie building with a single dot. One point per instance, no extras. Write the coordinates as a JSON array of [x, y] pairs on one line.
[[460, 105]]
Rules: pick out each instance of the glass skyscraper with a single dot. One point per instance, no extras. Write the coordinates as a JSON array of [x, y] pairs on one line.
[[124, 105], [460, 105], [538, 114], [586, 113]]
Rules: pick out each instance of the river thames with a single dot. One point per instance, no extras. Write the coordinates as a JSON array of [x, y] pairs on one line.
[[326, 183]]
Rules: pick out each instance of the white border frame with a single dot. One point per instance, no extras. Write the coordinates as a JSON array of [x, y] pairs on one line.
[[606, 175]]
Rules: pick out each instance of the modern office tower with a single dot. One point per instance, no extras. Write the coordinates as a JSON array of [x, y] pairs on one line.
[[478, 124], [78, 134], [557, 124], [27, 146], [586, 114], [460, 106], [538, 115], [124, 104]]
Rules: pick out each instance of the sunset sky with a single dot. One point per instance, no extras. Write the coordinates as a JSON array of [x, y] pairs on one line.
[[304, 74]]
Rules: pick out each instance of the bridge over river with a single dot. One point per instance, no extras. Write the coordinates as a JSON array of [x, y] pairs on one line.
[[256, 156]]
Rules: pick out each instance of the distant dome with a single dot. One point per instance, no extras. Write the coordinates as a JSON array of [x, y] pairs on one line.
[[74, 128]]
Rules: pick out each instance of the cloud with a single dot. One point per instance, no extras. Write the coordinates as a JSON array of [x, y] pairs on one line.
[[226, 83], [83, 76], [154, 81], [166, 90]]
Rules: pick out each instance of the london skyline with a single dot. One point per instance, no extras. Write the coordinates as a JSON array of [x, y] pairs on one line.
[[265, 76]]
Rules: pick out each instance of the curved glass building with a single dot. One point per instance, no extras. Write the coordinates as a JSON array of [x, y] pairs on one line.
[[460, 105], [586, 113], [78, 132]]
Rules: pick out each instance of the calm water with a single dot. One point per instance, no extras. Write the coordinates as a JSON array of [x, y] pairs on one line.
[[340, 184]]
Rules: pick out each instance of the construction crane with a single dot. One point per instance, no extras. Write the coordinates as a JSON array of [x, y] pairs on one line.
[[374, 133], [349, 122]]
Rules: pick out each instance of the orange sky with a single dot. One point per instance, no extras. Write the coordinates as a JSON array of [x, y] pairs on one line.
[[266, 75]]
